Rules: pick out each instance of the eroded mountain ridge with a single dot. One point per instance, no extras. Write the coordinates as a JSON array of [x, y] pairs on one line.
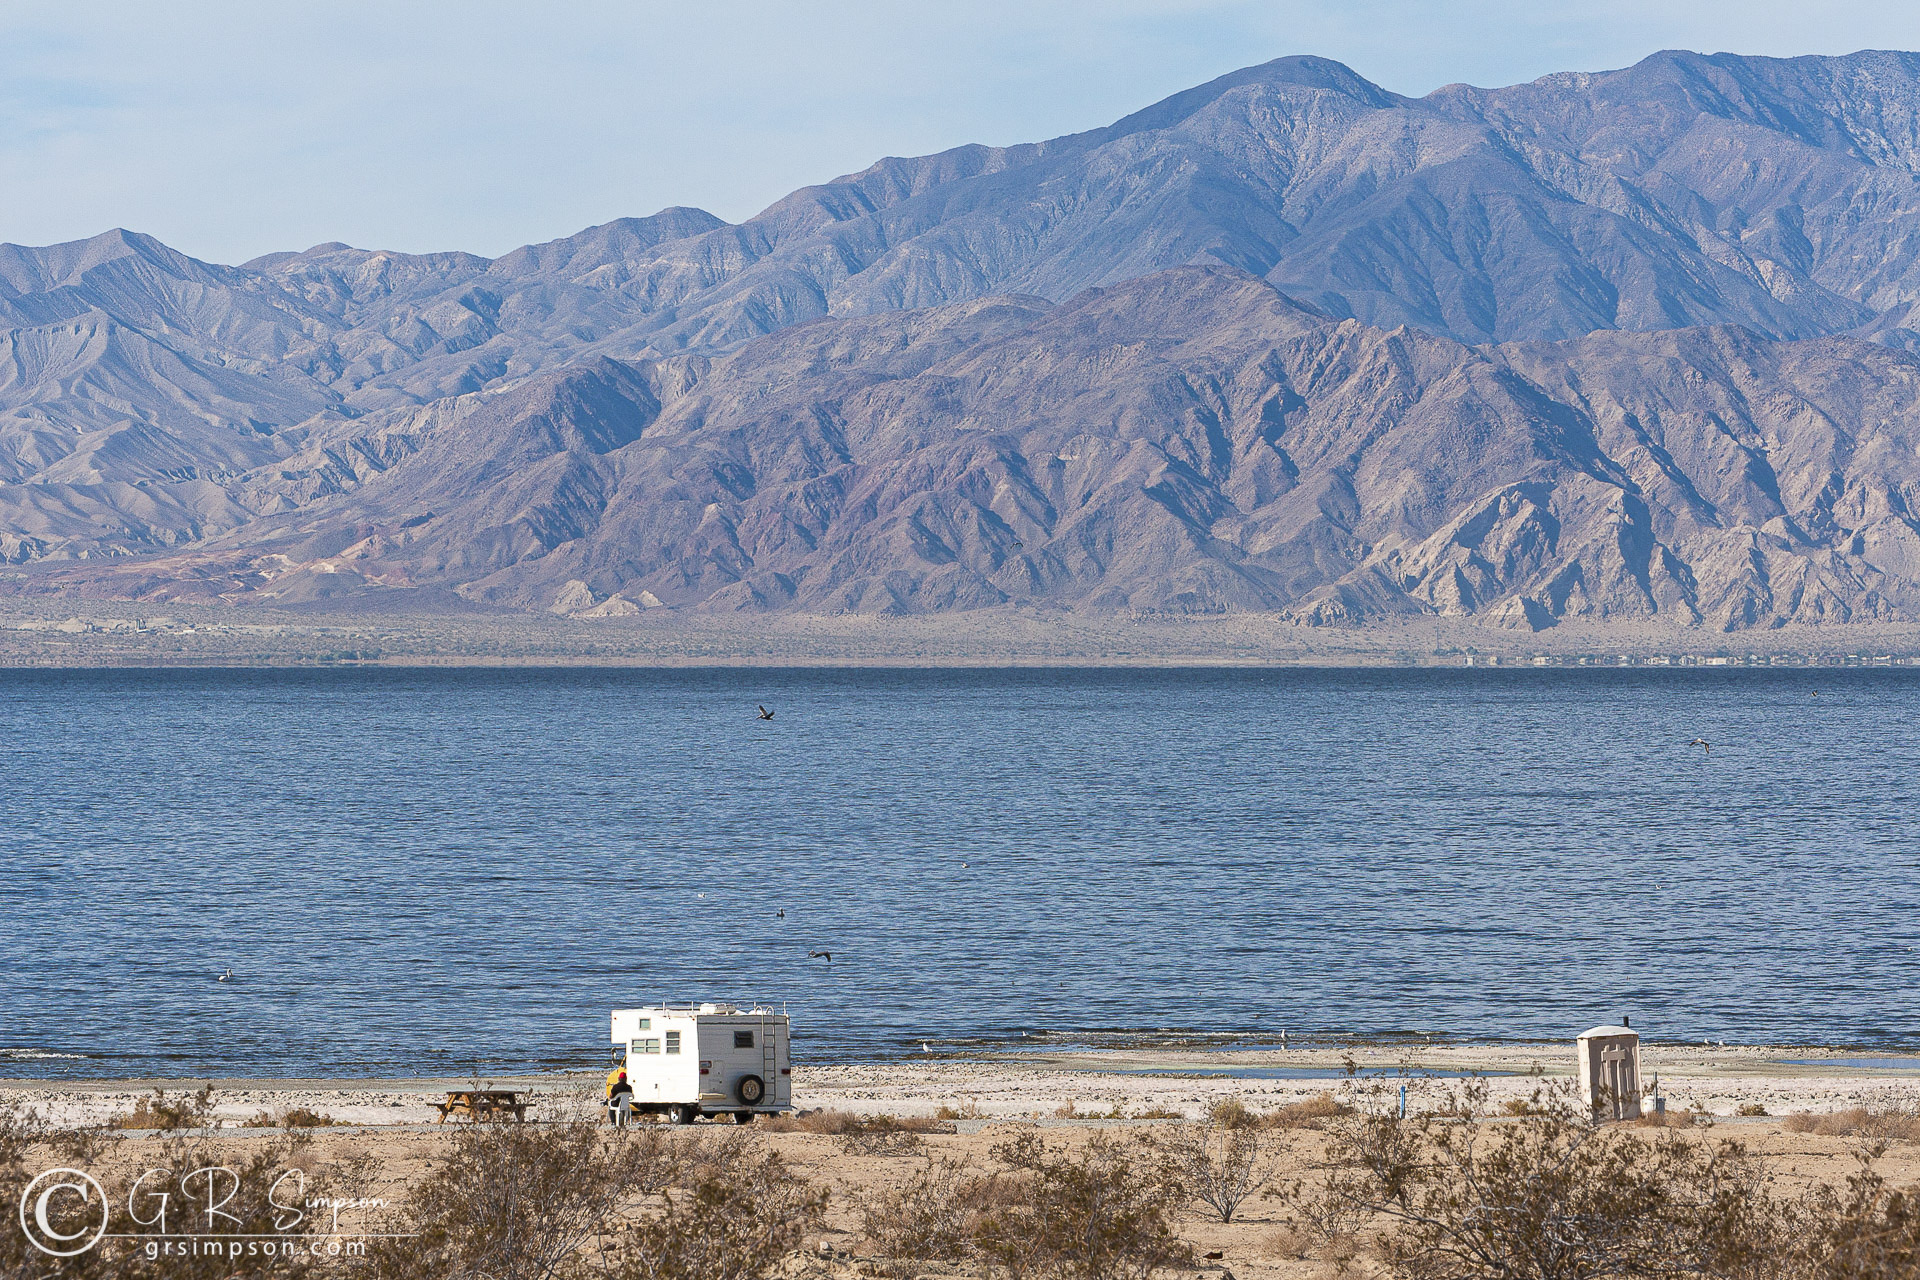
[[1617, 346]]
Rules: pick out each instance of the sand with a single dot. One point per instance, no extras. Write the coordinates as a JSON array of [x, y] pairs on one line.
[[1035, 1086]]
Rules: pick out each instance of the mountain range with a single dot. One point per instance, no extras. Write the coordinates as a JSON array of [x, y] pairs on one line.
[[1618, 346]]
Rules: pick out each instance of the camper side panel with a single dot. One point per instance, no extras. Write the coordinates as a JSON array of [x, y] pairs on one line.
[[661, 1064]]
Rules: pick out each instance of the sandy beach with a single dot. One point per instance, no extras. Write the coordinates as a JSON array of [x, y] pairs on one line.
[[1716, 1080]]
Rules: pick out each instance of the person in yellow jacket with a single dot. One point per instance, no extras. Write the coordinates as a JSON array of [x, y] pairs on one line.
[[619, 1097]]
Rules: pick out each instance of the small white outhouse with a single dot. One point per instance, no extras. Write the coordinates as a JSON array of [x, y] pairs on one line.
[[711, 1059], [1609, 1069]]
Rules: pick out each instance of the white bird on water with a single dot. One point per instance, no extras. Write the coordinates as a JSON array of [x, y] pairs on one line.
[[925, 1047], [223, 977]]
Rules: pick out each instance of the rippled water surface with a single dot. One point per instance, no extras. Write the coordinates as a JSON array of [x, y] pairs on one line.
[[461, 870]]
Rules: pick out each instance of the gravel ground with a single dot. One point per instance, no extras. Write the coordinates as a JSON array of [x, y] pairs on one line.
[[1117, 1084]]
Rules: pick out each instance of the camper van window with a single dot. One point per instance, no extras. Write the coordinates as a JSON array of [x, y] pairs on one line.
[[673, 1042], [644, 1046], [743, 1039], [644, 1024]]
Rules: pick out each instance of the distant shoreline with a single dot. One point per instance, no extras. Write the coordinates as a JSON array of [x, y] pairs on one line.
[[1448, 1060], [60, 633]]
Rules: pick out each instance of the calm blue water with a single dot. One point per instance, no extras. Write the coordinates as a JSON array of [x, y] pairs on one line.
[[460, 870]]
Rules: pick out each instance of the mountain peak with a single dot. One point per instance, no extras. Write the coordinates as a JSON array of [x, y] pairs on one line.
[[1297, 70], [30, 269]]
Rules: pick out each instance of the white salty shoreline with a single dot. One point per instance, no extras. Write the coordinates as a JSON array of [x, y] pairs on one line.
[[1044, 1086]]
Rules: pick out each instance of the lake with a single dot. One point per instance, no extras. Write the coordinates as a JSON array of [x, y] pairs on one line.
[[455, 871]]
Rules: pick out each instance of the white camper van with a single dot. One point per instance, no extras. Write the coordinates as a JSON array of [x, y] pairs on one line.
[[709, 1059]]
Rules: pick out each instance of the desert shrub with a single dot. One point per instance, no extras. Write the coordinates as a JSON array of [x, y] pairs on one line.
[[1864, 1231], [80, 1148], [1286, 1242], [1307, 1113], [1886, 1124], [1103, 1212], [711, 1154], [838, 1123], [736, 1223], [20, 1129], [882, 1136], [823, 1121], [289, 1118], [1552, 1195], [1231, 1113], [936, 1216], [1674, 1119], [1751, 1109], [158, 1111], [1218, 1165], [259, 1203], [1159, 1113], [264, 1224], [862, 1135], [523, 1202], [1556, 1195]]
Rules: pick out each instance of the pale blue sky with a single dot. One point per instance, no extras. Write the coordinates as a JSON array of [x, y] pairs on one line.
[[229, 128]]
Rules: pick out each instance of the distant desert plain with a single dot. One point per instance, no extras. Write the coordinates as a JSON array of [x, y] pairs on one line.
[[63, 632]]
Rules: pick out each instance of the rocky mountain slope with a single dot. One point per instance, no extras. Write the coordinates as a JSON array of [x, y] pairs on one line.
[[1190, 441], [1623, 345]]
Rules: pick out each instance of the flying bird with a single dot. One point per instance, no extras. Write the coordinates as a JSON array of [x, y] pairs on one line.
[[765, 714], [821, 955], [1705, 746]]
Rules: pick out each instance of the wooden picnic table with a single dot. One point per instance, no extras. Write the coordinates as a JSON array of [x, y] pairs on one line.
[[483, 1104]]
